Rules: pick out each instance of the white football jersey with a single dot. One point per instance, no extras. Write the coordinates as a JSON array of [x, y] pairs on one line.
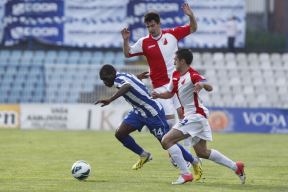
[[183, 86]]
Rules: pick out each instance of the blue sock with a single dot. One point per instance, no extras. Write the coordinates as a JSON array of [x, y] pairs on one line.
[[187, 156], [130, 143]]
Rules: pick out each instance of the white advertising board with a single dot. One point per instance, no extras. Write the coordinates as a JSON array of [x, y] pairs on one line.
[[54, 117], [72, 116], [108, 117]]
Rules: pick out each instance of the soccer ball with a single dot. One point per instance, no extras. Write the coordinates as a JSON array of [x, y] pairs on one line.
[[81, 170]]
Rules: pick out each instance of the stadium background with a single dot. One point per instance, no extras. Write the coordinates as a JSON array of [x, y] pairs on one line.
[[51, 52]]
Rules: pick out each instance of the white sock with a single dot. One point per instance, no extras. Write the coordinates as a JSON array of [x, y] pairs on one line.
[[187, 144], [171, 123], [176, 155], [144, 154], [221, 159]]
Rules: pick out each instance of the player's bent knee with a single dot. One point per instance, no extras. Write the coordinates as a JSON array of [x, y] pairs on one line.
[[119, 135], [165, 143], [163, 147]]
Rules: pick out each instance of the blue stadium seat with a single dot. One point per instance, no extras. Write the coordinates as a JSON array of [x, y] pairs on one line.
[[16, 54], [61, 60], [28, 54], [63, 54], [37, 61], [86, 54], [109, 57], [13, 61], [39, 54], [84, 60], [25, 61], [97, 57], [118, 61], [3, 61], [119, 58], [49, 60], [73, 60], [5, 54], [51, 53], [75, 54]]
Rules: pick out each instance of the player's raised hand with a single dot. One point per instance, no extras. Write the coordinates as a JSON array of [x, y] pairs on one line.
[[103, 101], [187, 10], [125, 33], [143, 75]]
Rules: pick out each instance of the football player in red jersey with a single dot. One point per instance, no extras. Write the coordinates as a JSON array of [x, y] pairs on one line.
[[159, 47]]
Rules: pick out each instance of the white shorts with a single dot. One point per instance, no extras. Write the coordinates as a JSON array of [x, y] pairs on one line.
[[169, 105], [197, 126]]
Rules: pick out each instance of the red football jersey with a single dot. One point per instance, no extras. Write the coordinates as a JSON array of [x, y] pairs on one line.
[[160, 53]]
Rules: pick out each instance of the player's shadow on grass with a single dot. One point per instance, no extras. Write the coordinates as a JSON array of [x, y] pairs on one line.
[[96, 181]]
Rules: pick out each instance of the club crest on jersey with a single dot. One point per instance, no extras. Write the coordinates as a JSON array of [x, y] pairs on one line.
[[165, 42], [182, 82]]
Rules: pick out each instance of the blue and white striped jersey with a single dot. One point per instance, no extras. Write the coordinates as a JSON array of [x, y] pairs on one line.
[[138, 96]]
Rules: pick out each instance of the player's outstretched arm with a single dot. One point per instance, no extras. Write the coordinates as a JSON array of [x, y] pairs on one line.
[[126, 47], [103, 101], [164, 95], [124, 89], [201, 85], [188, 11], [208, 87]]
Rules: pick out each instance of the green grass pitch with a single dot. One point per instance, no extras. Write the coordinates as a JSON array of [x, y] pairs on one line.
[[40, 161]]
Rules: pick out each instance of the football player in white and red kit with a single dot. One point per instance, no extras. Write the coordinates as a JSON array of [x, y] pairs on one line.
[[187, 83], [159, 48]]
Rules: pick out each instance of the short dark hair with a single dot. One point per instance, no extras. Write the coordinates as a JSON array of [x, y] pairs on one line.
[[148, 17], [185, 54], [107, 70]]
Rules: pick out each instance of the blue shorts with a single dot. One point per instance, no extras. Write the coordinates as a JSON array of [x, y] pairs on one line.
[[157, 125]]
